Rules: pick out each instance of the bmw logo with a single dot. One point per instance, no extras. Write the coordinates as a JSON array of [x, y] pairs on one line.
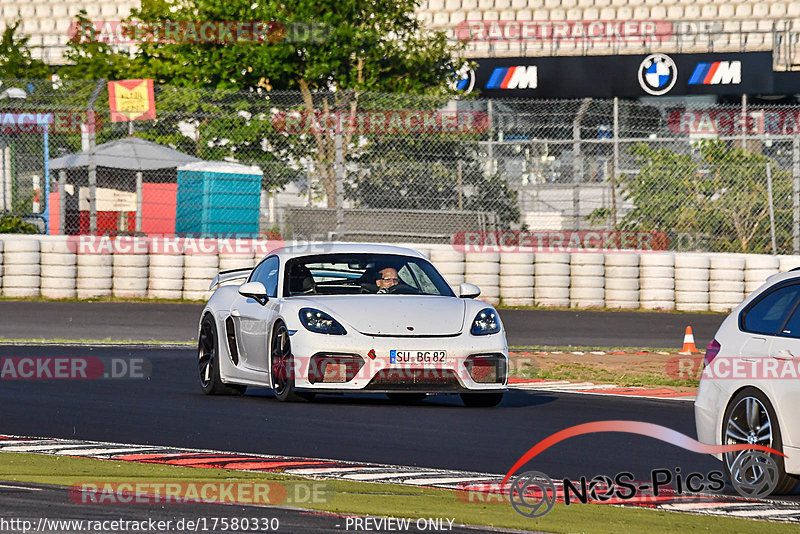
[[464, 80], [657, 74]]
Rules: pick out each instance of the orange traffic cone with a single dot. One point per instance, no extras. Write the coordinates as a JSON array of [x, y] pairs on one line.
[[688, 342]]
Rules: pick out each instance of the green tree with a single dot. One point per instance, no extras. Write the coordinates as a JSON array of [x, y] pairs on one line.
[[15, 57], [719, 191], [353, 47]]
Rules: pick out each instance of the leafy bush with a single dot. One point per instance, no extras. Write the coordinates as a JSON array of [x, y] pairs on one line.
[[11, 224]]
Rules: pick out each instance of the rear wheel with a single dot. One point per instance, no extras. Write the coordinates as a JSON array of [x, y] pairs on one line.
[[283, 366], [407, 398], [751, 419], [481, 400], [208, 362]]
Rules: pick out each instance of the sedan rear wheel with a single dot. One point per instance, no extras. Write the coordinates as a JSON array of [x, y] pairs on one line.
[[283, 366], [750, 419], [208, 362]]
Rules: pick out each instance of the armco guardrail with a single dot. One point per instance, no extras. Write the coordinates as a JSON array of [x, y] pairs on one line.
[[69, 267]]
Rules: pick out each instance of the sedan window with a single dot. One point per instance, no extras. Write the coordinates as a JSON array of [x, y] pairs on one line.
[[769, 313]]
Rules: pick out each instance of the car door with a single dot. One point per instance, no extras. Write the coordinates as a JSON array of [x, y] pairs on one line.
[[782, 380], [254, 320], [763, 321]]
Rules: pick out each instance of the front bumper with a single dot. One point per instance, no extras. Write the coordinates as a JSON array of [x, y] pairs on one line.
[[379, 374]]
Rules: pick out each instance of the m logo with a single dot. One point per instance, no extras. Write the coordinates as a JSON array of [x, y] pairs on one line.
[[717, 73], [514, 78]]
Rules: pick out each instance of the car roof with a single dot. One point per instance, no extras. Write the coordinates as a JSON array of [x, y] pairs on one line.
[[312, 249]]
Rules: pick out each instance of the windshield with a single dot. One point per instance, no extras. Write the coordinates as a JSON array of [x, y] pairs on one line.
[[363, 274]]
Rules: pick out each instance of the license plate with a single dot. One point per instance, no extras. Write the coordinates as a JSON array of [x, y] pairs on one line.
[[417, 357]]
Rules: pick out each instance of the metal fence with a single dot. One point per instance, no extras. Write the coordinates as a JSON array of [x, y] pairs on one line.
[[400, 168]]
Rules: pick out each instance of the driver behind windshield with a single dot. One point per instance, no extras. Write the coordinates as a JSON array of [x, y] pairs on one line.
[[387, 280]]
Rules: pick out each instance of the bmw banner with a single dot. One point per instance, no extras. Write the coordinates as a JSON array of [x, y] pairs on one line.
[[654, 74]]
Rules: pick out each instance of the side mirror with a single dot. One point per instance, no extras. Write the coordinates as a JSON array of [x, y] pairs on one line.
[[468, 291], [254, 290]]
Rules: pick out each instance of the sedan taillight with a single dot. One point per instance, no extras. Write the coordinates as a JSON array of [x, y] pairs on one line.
[[711, 352]]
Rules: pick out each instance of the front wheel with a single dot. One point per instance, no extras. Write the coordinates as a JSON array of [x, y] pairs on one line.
[[283, 367], [208, 362], [481, 400], [751, 419]]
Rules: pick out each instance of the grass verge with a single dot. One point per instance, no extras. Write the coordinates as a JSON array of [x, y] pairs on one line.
[[384, 499]]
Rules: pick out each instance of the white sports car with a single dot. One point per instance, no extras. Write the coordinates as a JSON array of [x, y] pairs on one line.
[[338, 318]]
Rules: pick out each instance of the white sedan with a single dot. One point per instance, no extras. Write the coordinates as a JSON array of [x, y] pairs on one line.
[[338, 318], [750, 388]]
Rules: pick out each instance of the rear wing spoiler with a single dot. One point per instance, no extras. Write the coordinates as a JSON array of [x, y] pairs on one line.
[[227, 276]]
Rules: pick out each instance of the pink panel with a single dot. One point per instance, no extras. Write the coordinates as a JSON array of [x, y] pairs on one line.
[[54, 206], [158, 208]]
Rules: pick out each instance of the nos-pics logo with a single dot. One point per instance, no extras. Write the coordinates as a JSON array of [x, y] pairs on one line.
[[657, 74]]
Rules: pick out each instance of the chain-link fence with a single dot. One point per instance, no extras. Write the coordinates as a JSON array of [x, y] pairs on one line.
[[400, 168]]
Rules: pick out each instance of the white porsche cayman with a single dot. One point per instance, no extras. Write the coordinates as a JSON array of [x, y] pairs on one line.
[[338, 318]]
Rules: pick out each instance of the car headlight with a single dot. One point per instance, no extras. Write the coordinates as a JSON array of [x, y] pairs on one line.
[[486, 322], [320, 322]]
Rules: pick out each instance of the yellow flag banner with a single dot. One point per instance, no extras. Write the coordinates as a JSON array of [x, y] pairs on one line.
[[131, 100]]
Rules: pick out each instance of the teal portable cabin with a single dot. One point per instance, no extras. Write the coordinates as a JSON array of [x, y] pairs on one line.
[[218, 197]]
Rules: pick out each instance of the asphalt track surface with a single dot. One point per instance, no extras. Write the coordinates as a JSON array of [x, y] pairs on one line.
[[169, 409], [35, 502], [178, 323]]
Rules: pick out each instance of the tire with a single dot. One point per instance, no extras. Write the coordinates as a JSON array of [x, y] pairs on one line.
[[622, 295], [691, 273], [761, 262], [59, 271], [552, 257], [726, 275], [622, 284], [166, 273], [726, 286], [482, 257], [59, 259], [622, 260], [551, 293], [21, 258], [587, 270], [131, 260], [130, 272], [166, 260], [516, 258], [446, 255], [656, 272], [95, 260], [58, 283], [59, 245], [691, 261], [281, 365], [450, 267], [721, 261], [758, 275], [622, 272], [193, 284], [407, 398], [551, 281], [166, 284], [481, 400], [514, 301], [584, 258], [228, 263], [787, 263], [13, 269], [200, 273], [657, 259], [516, 269], [22, 245], [201, 261], [482, 280], [208, 354], [516, 281], [737, 419], [657, 283], [482, 268], [551, 269], [691, 285], [587, 282]]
